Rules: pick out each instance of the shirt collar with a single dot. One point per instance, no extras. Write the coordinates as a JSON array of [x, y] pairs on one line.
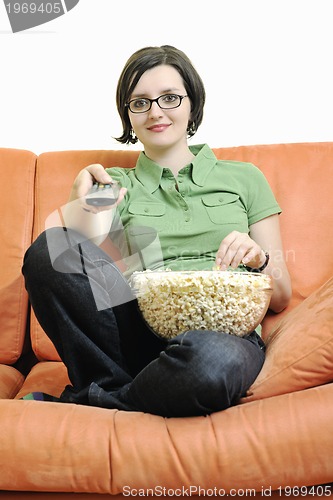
[[203, 163], [149, 173]]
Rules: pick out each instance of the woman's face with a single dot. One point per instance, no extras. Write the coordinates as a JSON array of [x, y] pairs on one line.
[[160, 128]]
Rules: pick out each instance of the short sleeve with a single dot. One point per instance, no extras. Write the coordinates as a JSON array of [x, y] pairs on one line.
[[261, 201]]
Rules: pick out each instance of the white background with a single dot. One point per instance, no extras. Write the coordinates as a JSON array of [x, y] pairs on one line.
[[266, 65]]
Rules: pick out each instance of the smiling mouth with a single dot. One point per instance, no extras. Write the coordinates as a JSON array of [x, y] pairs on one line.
[[158, 128]]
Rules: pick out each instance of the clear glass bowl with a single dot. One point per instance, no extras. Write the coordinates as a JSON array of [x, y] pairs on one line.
[[175, 301]]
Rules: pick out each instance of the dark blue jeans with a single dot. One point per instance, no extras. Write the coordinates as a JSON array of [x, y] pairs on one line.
[[113, 358]]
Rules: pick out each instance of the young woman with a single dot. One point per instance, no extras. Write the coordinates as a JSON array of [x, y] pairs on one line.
[[201, 211]]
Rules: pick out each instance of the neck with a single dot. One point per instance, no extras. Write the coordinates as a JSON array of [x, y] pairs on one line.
[[174, 159]]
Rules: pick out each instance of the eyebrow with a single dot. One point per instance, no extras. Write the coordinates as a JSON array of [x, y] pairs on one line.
[[166, 91]]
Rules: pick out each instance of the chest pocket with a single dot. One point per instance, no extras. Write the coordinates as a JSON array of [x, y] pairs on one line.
[[147, 209], [223, 208]]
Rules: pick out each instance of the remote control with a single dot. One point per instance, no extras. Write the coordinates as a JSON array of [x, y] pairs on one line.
[[102, 195]]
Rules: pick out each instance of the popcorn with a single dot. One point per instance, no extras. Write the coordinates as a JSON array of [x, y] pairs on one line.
[[230, 302]]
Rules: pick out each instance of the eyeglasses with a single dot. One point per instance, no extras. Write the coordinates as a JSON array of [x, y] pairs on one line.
[[165, 101]]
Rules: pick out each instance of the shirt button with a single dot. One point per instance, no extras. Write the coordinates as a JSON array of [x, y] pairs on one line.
[[187, 218], [146, 210]]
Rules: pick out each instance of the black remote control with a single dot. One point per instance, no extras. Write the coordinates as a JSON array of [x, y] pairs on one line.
[[102, 195]]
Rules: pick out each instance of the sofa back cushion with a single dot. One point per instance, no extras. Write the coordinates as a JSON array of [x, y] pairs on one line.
[[299, 351], [55, 174], [300, 176], [17, 168]]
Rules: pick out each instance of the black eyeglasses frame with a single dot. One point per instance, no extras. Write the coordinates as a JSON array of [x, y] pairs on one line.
[[181, 97]]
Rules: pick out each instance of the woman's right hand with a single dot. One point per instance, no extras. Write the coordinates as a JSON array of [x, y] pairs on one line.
[[84, 182], [92, 221]]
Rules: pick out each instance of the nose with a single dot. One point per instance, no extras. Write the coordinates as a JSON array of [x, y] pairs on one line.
[[155, 110]]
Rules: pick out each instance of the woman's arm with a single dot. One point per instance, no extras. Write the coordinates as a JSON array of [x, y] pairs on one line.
[[249, 249], [91, 221], [267, 234]]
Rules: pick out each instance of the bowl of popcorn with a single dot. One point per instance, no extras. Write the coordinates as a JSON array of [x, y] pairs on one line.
[[231, 302]]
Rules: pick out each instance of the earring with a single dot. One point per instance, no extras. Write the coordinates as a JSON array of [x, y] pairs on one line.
[[191, 129], [134, 138]]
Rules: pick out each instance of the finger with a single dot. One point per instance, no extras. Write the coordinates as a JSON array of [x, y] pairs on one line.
[[241, 247], [227, 250], [121, 196], [89, 175], [99, 173], [237, 257], [225, 244], [247, 249], [251, 255], [255, 259]]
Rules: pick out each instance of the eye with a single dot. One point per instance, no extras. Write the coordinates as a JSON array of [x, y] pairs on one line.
[[169, 98], [139, 103]]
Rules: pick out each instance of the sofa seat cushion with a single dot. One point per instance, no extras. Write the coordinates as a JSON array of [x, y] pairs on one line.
[[108, 450], [11, 381], [299, 348], [49, 377]]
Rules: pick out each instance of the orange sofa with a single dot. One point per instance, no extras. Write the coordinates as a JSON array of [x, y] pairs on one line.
[[279, 436]]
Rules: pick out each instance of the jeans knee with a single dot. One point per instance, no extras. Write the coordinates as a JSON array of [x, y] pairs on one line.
[[56, 249], [198, 373], [206, 361], [220, 366], [36, 256], [47, 254]]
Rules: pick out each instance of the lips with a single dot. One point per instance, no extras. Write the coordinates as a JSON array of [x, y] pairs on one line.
[[158, 127]]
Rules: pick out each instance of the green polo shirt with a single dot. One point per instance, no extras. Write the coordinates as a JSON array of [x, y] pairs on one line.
[[179, 222]]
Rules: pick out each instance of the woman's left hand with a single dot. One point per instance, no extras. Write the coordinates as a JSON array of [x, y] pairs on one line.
[[238, 248]]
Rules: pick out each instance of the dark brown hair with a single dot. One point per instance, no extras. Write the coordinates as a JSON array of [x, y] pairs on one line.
[[148, 58]]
